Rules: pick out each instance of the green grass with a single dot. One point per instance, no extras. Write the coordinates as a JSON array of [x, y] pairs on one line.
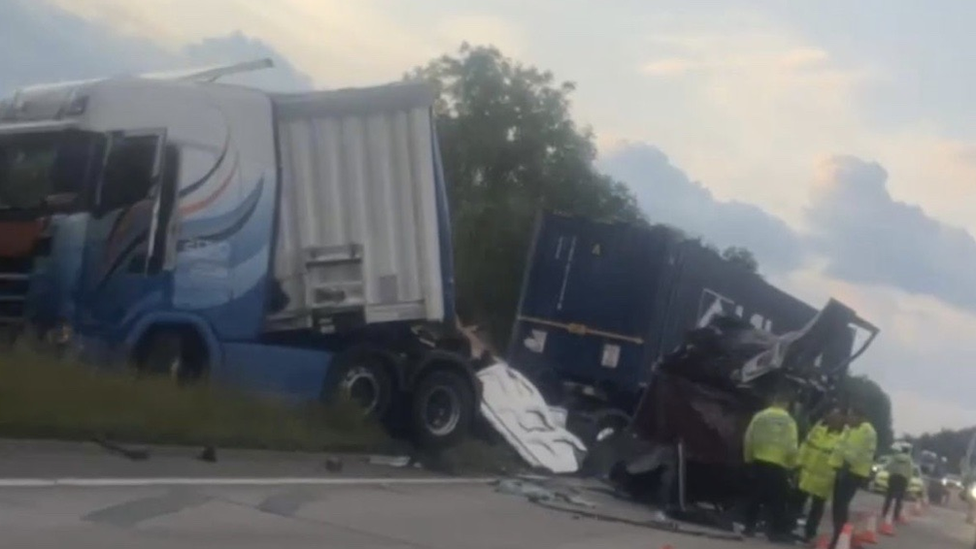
[[45, 397]]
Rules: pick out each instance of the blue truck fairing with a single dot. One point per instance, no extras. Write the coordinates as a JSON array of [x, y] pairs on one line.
[[111, 281]]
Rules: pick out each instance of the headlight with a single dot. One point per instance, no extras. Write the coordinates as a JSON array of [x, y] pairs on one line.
[[972, 492]]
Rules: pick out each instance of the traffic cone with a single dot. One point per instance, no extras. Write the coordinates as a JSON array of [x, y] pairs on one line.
[[869, 535], [823, 542], [887, 527], [916, 509], [844, 541]]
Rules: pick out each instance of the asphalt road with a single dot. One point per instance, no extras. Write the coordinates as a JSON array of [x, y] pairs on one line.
[[52, 495]]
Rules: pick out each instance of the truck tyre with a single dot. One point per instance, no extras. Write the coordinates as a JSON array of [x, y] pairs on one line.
[[442, 408], [363, 378], [171, 353]]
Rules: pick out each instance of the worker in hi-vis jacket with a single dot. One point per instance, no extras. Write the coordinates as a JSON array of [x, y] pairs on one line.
[[816, 475], [900, 469], [770, 450], [852, 459]]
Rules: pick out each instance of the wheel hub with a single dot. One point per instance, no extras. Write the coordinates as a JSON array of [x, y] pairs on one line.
[[362, 387], [442, 411]]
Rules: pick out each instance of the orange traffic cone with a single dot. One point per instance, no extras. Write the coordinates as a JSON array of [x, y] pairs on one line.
[[844, 541], [887, 527], [823, 542], [869, 535]]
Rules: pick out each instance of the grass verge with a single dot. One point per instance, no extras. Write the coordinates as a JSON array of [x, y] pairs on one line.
[[45, 397]]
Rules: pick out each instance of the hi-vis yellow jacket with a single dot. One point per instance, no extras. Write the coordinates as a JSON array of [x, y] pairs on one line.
[[816, 474], [856, 450], [901, 465], [771, 438]]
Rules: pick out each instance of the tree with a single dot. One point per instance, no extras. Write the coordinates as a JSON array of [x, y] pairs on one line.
[[947, 443], [510, 148], [876, 403], [741, 256]]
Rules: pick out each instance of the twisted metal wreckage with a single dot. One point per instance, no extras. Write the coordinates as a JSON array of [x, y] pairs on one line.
[[682, 451]]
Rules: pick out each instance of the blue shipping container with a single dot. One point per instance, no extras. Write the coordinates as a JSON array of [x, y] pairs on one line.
[[601, 302]]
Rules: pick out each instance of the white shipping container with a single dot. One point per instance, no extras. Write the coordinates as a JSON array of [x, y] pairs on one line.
[[358, 222]]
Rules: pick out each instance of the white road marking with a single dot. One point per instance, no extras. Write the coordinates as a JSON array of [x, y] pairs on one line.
[[190, 481]]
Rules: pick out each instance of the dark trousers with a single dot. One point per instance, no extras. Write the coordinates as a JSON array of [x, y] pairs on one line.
[[845, 487], [897, 485], [817, 507], [770, 493]]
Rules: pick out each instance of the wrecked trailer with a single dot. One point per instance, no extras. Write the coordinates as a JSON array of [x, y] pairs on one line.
[[619, 320], [601, 303], [701, 397]]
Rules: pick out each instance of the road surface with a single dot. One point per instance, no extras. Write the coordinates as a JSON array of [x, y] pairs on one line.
[[59, 495]]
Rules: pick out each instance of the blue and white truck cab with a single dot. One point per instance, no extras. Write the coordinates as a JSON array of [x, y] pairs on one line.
[[293, 243]]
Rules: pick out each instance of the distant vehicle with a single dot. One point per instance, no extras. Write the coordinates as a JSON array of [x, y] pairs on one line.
[[952, 481], [880, 464], [933, 465], [290, 243]]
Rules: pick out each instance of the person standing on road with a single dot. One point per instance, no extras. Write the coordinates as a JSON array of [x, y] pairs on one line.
[[770, 450], [816, 474], [900, 470], [852, 459]]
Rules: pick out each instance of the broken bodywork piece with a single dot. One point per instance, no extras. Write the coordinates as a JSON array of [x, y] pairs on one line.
[[515, 408], [702, 395]]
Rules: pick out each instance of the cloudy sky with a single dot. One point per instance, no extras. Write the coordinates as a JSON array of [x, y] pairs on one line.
[[834, 138]]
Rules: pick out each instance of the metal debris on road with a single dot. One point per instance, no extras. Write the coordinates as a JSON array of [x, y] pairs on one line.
[[333, 465], [389, 461], [208, 454], [536, 492]]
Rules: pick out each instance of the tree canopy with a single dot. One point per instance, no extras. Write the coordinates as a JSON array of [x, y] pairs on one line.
[[862, 389], [950, 444], [742, 257], [510, 148]]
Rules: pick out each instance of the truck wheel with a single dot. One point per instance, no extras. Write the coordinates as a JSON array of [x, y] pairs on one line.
[[442, 408], [171, 353], [364, 379]]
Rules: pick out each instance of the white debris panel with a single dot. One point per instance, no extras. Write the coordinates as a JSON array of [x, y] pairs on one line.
[[516, 409]]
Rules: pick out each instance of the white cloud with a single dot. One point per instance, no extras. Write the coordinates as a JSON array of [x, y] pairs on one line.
[[481, 29], [339, 43], [761, 106], [915, 414], [754, 106], [670, 66], [790, 60]]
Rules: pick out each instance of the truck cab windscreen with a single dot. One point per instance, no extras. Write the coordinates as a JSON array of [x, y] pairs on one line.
[[47, 170]]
